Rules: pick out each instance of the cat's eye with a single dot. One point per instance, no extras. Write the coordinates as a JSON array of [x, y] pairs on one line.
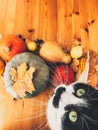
[[73, 116], [80, 92]]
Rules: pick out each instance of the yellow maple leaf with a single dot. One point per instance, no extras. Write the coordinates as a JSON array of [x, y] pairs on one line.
[[22, 77]]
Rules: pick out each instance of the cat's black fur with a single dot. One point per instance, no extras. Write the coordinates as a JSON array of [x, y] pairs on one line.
[[87, 114]]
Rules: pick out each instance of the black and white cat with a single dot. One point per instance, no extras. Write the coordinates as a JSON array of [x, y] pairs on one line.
[[75, 106]]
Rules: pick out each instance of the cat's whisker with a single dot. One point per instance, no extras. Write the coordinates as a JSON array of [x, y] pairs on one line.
[[24, 119], [65, 128], [45, 125], [82, 123], [58, 81], [93, 111], [36, 114], [49, 80], [44, 99], [92, 92], [52, 69], [52, 90], [65, 78], [38, 101], [42, 103], [52, 65], [36, 111], [58, 74], [93, 99], [31, 117], [91, 119], [55, 84], [85, 123], [87, 90], [58, 77], [40, 113], [41, 126]]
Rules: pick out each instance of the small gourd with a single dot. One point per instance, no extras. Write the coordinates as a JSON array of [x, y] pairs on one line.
[[52, 52]]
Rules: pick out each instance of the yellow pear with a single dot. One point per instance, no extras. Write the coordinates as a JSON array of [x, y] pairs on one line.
[[51, 51]]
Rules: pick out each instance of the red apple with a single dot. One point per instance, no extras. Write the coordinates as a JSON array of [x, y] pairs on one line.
[[11, 45], [63, 74]]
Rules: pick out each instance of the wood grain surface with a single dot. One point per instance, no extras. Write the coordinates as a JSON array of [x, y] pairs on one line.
[[55, 20], [23, 114]]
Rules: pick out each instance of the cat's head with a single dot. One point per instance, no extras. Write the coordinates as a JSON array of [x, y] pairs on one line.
[[73, 107]]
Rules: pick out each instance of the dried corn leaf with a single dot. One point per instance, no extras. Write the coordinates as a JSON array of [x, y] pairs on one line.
[[93, 62]]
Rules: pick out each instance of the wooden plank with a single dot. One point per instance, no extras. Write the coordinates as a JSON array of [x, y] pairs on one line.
[[7, 16], [65, 29], [89, 23], [47, 20], [61, 20], [93, 24], [76, 20], [23, 19], [83, 16]]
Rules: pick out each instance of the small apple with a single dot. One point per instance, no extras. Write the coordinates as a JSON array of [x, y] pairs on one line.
[[31, 45]]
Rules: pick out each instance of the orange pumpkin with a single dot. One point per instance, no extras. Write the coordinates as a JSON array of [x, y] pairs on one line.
[[11, 45], [2, 66]]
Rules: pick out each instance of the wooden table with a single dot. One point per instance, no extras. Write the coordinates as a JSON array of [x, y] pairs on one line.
[[23, 114]]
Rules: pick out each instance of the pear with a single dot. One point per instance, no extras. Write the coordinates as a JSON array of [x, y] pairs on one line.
[[51, 51]]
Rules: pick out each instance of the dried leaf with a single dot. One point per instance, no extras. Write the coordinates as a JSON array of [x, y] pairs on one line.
[[22, 76], [13, 74]]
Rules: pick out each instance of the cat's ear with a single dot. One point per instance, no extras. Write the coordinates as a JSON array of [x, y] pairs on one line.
[[84, 75]]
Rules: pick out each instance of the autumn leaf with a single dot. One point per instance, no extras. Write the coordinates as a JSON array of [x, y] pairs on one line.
[[22, 77]]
